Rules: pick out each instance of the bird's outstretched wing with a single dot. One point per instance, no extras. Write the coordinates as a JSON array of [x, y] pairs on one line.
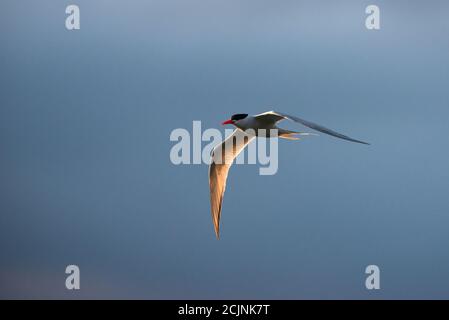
[[274, 116], [223, 156]]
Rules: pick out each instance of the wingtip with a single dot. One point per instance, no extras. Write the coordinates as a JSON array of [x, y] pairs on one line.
[[359, 141]]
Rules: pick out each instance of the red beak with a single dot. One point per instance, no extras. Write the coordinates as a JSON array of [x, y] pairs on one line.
[[228, 122]]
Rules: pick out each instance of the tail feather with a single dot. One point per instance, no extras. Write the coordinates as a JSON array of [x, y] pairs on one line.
[[289, 136], [292, 135]]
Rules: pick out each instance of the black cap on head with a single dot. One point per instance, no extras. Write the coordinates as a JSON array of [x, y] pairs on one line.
[[239, 116]]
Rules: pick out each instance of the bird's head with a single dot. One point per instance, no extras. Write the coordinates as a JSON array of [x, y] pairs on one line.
[[235, 118]]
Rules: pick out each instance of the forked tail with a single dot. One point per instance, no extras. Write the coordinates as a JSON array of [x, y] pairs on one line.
[[292, 135]]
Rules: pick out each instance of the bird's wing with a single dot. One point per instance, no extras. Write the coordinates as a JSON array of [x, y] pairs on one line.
[[223, 156], [270, 115]]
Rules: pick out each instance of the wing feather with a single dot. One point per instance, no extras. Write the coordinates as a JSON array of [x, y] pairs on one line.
[[223, 156], [277, 116]]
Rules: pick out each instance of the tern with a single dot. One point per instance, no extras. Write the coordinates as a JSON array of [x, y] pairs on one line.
[[247, 128]]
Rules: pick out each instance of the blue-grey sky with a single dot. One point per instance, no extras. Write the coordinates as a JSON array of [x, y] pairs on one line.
[[86, 178]]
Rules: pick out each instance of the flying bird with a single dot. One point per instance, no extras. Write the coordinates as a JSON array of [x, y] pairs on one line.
[[247, 128]]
